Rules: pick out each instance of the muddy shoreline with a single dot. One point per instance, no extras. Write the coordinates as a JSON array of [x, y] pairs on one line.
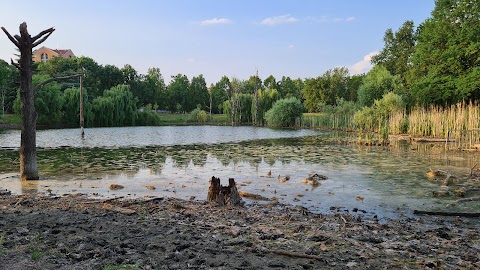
[[74, 232]]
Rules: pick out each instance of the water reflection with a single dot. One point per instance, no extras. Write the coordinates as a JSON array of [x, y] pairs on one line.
[[386, 178]]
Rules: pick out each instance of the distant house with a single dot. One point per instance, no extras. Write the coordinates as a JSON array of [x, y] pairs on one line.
[[44, 54]]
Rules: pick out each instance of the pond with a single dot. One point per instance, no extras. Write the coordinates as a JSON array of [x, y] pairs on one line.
[[178, 161]]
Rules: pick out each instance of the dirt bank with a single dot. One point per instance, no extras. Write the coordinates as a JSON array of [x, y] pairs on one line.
[[73, 232]]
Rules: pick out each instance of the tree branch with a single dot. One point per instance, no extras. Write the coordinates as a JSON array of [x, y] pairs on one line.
[[49, 30], [43, 39], [16, 64], [56, 79], [11, 38]]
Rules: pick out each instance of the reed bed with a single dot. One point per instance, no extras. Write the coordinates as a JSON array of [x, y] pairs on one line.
[[327, 121], [459, 124]]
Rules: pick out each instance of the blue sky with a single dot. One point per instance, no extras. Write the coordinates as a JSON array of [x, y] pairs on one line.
[[296, 38]]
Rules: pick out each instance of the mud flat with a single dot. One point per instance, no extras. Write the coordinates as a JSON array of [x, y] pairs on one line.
[[74, 232]]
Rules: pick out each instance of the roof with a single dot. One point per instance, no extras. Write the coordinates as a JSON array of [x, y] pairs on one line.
[[60, 51]]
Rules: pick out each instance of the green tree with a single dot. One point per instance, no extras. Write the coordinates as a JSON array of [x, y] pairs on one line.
[[266, 99], [91, 80], [447, 54], [155, 89], [377, 83], [48, 101], [336, 84], [236, 87], [353, 84], [8, 86], [178, 90], [397, 51], [199, 93], [219, 94], [325, 89], [270, 83], [288, 88], [252, 83], [71, 108], [313, 93], [115, 108], [284, 113], [110, 76]]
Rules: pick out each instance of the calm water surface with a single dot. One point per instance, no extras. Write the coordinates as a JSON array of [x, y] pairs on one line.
[[178, 161]]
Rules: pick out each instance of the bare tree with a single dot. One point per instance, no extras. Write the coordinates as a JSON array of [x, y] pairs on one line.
[[28, 152]]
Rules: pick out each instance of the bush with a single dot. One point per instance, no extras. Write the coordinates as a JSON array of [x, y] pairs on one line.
[[199, 115], [374, 117], [284, 112]]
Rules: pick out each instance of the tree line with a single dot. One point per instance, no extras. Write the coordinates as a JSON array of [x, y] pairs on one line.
[[435, 63]]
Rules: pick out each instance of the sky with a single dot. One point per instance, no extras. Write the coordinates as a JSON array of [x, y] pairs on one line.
[[235, 38]]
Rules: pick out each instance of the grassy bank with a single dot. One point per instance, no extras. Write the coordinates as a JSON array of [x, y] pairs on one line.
[[10, 120], [173, 118]]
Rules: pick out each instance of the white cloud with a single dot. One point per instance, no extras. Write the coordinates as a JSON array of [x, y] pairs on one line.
[[349, 19], [362, 66], [216, 21], [291, 46], [279, 20]]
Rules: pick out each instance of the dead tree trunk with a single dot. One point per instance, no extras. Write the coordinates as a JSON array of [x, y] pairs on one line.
[[28, 152], [223, 195], [214, 189]]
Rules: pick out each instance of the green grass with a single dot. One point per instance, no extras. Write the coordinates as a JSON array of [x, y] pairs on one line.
[[37, 254], [174, 118], [13, 119], [167, 118]]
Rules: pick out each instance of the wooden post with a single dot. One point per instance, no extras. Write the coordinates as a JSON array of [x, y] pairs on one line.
[[81, 107]]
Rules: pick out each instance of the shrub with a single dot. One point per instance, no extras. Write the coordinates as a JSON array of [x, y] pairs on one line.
[[198, 115], [374, 117], [284, 112]]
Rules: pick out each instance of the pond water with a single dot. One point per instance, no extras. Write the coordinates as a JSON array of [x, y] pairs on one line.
[[178, 161]]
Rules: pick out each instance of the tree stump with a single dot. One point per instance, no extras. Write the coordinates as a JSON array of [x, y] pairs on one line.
[[223, 195]]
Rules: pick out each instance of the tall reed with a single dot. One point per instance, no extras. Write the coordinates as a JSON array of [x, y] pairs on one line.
[[459, 123]]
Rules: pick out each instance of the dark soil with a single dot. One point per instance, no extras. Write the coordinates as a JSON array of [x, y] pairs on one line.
[[74, 232]]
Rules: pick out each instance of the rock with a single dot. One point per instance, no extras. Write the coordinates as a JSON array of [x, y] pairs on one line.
[[151, 187], [116, 186]]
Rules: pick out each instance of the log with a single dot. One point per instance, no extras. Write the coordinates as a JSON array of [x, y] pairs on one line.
[[253, 196], [471, 199], [121, 210], [452, 214]]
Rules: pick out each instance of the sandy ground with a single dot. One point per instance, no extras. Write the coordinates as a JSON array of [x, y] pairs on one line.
[[74, 232]]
